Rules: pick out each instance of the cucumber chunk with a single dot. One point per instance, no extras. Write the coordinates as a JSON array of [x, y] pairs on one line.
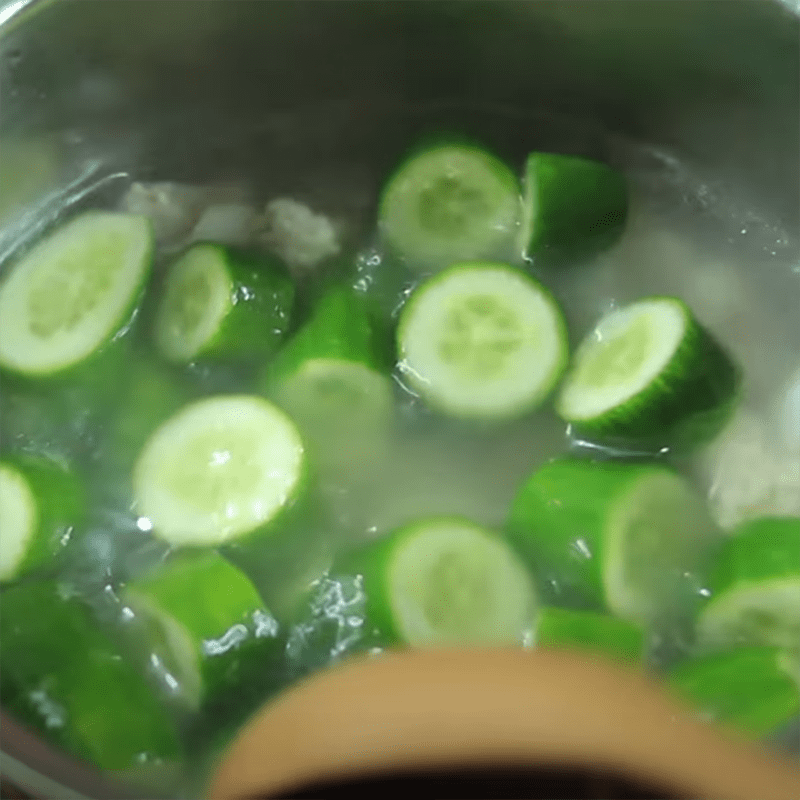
[[330, 379], [73, 292], [218, 470], [629, 537], [649, 372], [750, 688], [151, 394], [755, 587], [41, 506], [218, 302], [589, 631], [60, 674], [449, 203], [482, 341], [206, 623], [571, 206], [446, 581]]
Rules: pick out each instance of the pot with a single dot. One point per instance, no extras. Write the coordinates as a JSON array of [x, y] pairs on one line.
[[205, 91]]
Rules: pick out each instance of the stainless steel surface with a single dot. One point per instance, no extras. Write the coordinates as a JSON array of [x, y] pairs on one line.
[[155, 84]]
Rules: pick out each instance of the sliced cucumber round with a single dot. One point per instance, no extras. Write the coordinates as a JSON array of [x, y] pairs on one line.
[[329, 379], [749, 688], [446, 581], [41, 505], [218, 302], [221, 468], [630, 537], [61, 675], [202, 616], [590, 631], [649, 372], [482, 341], [450, 203], [571, 206], [755, 587], [73, 292]]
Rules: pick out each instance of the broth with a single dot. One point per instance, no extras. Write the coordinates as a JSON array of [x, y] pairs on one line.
[[685, 237]]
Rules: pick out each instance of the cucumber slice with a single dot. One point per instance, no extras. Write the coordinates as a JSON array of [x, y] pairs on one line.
[[590, 631], [61, 675], [218, 302], [41, 505], [446, 581], [755, 587], [73, 292], [221, 468], [750, 688], [571, 206], [449, 203], [627, 536], [329, 378], [649, 372], [205, 622], [482, 341]]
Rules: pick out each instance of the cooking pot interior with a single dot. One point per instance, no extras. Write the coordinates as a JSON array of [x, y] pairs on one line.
[[697, 101]]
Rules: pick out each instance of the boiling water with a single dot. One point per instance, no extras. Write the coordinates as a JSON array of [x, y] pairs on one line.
[[686, 236]]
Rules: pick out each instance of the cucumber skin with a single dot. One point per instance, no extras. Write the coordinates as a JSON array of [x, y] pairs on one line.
[[225, 674], [51, 645], [587, 631], [371, 562], [559, 522], [150, 395], [339, 327], [687, 405], [740, 668], [61, 509], [761, 549], [549, 514], [263, 299], [101, 369], [573, 229]]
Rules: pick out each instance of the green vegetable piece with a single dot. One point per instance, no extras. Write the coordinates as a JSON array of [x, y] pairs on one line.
[[482, 341], [755, 587], [649, 373], [448, 203], [589, 631], [571, 206], [330, 378], [628, 537], [206, 624], [219, 302], [750, 688], [220, 469], [61, 675], [41, 507], [445, 581], [72, 293]]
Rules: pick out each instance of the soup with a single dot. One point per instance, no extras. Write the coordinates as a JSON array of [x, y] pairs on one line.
[[414, 398]]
